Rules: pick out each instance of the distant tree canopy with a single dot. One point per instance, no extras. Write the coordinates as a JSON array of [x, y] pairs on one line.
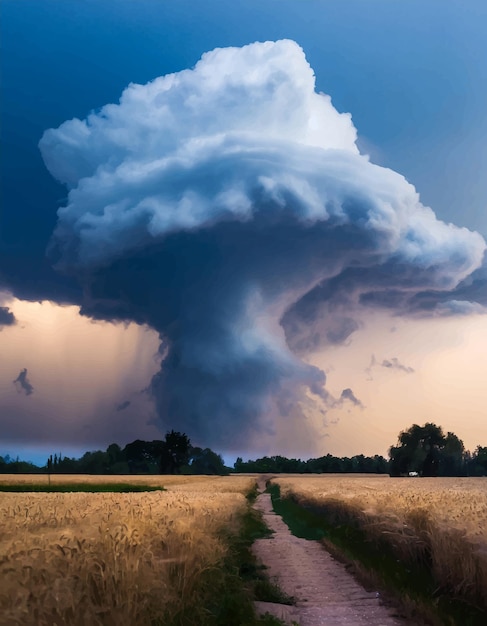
[[325, 464], [165, 457], [429, 452], [175, 452], [205, 461], [172, 455], [14, 466], [422, 449], [478, 462]]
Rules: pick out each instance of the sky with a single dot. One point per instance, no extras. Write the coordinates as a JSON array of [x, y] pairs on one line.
[[274, 247]]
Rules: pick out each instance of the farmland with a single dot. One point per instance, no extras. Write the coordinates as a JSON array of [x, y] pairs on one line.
[[235, 484], [110, 558], [159, 557], [440, 523]]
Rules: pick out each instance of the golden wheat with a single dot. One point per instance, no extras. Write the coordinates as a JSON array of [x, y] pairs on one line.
[[222, 483], [109, 558], [441, 520]]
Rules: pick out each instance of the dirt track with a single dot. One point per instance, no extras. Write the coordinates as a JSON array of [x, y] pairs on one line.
[[325, 593]]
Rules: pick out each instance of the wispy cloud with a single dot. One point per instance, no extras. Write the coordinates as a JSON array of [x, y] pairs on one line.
[[348, 395], [123, 405], [391, 364], [395, 364], [23, 384]]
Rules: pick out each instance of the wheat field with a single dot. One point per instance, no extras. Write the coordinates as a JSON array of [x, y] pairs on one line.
[[438, 521], [113, 559], [221, 483], [129, 559]]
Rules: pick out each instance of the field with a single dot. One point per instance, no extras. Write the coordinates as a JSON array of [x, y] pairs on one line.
[[439, 522], [153, 558], [115, 559], [234, 484]]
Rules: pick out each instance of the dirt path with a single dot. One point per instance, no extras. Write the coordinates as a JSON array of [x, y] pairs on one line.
[[325, 593]]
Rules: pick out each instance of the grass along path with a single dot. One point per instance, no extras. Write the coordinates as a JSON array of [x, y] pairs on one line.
[[411, 584], [323, 590]]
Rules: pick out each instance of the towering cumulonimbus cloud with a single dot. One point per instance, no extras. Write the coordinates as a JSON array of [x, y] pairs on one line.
[[229, 208]]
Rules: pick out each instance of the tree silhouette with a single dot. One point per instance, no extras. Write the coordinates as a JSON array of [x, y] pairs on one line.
[[205, 461], [427, 451], [141, 456], [174, 452]]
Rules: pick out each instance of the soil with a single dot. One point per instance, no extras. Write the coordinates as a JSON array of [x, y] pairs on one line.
[[325, 593]]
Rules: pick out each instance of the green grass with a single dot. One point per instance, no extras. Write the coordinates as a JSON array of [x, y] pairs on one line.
[[84, 487], [226, 593], [253, 574], [411, 581], [252, 494]]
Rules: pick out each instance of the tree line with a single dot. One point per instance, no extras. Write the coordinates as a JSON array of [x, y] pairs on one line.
[[420, 450], [172, 455], [322, 465]]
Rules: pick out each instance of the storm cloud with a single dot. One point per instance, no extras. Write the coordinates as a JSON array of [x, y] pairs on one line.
[[229, 208]]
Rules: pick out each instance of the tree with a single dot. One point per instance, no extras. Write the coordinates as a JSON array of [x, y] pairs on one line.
[[431, 441], [114, 453], [174, 452], [477, 465], [142, 457], [116, 460], [95, 462], [452, 461], [239, 465], [206, 462], [426, 450]]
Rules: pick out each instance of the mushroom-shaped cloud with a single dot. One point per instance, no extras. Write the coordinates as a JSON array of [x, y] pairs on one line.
[[229, 208]]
